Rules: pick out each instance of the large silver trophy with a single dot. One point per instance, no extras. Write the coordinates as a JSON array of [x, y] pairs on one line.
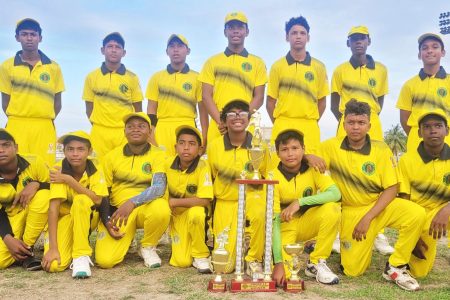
[[256, 152]]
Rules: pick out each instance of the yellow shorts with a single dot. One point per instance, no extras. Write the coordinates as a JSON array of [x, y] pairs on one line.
[[105, 139], [34, 135], [165, 133], [310, 129]]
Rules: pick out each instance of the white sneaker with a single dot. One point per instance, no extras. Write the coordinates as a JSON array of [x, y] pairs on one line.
[[401, 277], [81, 267], [382, 245], [255, 268], [203, 265], [336, 245], [151, 258], [321, 272]]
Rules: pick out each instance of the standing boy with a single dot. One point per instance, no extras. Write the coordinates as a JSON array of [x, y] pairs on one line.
[[190, 194], [301, 213], [232, 74], [430, 188], [24, 196], [110, 93], [426, 91], [366, 174], [174, 94], [298, 86], [31, 85], [76, 188]]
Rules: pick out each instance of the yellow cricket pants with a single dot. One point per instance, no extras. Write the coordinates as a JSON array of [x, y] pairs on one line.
[[375, 132], [73, 232], [153, 217], [405, 216], [187, 230], [165, 133], [310, 129], [225, 215], [27, 224], [421, 267], [105, 139], [319, 223], [34, 135]]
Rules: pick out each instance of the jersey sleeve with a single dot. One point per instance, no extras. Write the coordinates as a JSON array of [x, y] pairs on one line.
[[384, 86], [58, 191], [198, 92], [322, 181], [274, 82], [336, 81], [59, 83], [404, 100], [152, 92], [5, 80], [205, 188], [207, 73], [136, 91], [158, 163], [261, 73], [388, 168], [88, 92], [107, 168], [97, 183], [323, 88], [41, 172], [403, 174]]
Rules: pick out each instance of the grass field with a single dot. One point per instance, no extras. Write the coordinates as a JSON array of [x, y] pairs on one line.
[[132, 280]]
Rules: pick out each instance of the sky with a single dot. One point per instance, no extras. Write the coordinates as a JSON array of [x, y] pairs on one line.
[[73, 32]]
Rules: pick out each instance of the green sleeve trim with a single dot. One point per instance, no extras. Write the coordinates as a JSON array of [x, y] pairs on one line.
[[331, 194]]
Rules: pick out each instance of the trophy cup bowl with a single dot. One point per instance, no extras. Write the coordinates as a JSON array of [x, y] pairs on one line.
[[256, 155], [294, 284]]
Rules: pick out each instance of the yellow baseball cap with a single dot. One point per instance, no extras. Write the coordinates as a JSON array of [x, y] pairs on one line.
[[430, 35], [236, 16], [194, 129], [361, 29], [79, 134], [141, 115], [5, 135], [437, 112], [178, 36], [28, 23]]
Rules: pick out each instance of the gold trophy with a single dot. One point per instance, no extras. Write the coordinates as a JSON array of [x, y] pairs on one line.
[[294, 284], [256, 153], [220, 260]]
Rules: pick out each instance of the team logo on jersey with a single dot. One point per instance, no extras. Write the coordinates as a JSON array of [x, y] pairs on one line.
[[175, 239], [147, 168], [372, 82], [191, 189], [346, 244], [26, 181], [442, 92], [249, 167], [187, 86], [309, 76], [207, 181], [368, 168], [246, 67], [45, 77], [123, 88], [446, 179], [307, 192]]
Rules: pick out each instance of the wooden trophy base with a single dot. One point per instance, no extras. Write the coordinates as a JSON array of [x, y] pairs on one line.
[[248, 285], [294, 286], [217, 287]]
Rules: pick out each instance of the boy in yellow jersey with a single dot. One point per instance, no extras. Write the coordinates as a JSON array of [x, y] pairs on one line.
[[31, 85], [426, 91], [360, 78], [111, 92], [228, 158], [301, 211], [298, 86], [430, 188], [76, 188], [24, 184], [364, 79], [190, 194], [366, 174], [135, 175], [174, 94], [232, 74]]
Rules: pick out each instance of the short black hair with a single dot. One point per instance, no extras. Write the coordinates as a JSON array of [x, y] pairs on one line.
[[287, 135], [432, 117], [6, 136], [355, 107], [190, 132], [29, 24], [114, 36], [237, 103], [71, 138], [296, 21]]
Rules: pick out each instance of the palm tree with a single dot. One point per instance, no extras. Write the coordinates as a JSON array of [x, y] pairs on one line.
[[395, 138]]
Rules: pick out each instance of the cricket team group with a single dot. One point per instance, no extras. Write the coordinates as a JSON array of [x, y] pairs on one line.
[[149, 171]]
